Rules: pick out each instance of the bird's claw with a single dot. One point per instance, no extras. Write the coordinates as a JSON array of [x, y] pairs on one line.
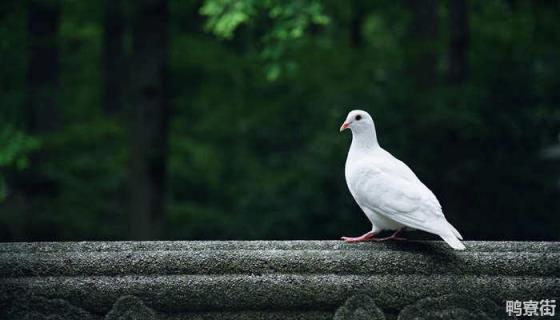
[[370, 236], [386, 238], [361, 238]]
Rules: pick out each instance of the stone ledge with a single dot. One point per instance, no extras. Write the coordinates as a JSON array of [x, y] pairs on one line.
[[273, 279]]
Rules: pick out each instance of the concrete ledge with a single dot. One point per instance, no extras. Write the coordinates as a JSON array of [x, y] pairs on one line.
[[273, 279]]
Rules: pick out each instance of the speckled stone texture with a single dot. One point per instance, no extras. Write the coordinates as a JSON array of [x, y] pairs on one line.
[[273, 279]]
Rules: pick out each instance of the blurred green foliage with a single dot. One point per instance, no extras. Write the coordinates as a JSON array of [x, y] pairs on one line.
[[14, 149], [258, 90], [287, 22]]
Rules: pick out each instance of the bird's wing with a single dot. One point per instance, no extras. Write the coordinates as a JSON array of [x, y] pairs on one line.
[[404, 200]]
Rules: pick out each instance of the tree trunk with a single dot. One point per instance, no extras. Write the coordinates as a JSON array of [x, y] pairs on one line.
[[458, 43], [42, 114], [150, 114], [422, 41], [114, 64], [358, 14], [456, 77]]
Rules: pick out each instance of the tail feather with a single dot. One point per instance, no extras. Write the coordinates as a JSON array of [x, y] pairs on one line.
[[455, 232], [452, 241]]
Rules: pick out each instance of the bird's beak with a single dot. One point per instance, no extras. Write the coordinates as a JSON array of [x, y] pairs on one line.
[[344, 126]]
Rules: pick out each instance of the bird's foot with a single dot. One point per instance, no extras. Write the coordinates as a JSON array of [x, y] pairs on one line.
[[387, 238], [394, 236], [365, 237]]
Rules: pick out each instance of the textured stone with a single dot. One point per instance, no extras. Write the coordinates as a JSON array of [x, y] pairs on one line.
[[359, 307], [36, 307], [130, 308], [273, 279], [454, 306]]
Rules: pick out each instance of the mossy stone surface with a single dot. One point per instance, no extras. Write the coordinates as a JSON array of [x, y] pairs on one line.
[[273, 279]]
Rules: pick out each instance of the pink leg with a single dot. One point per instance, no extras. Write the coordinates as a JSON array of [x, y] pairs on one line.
[[364, 237], [394, 236]]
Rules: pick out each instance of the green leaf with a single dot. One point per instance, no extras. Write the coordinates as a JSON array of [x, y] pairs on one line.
[[290, 20], [273, 72]]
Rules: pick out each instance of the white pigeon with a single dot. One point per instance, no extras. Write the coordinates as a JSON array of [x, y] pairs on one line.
[[388, 192]]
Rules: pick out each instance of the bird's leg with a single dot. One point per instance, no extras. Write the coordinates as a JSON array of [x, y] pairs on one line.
[[394, 236], [364, 237]]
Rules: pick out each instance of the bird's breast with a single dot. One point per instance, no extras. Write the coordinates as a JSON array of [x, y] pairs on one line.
[[360, 177]]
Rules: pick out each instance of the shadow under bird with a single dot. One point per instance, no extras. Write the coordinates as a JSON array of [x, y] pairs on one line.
[[387, 190]]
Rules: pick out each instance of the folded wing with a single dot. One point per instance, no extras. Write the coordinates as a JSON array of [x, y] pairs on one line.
[[403, 198]]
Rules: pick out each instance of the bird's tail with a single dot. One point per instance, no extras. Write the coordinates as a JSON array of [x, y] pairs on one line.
[[455, 232], [452, 241]]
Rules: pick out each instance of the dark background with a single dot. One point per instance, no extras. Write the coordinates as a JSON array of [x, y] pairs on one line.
[[219, 119]]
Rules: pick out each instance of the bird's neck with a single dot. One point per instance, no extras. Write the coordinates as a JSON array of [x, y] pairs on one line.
[[364, 140]]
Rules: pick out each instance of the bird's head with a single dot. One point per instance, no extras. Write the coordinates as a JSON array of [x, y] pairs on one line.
[[357, 121]]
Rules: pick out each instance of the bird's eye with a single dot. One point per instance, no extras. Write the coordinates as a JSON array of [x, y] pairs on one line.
[[358, 117]]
